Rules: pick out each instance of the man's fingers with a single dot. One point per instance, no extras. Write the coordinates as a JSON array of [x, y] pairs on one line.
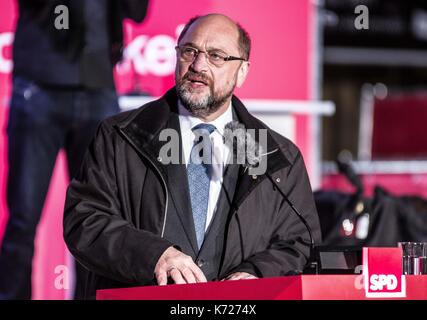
[[200, 277], [162, 278], [246, 276], [180, 267], [176, 276], [188, 275], [241, 276]]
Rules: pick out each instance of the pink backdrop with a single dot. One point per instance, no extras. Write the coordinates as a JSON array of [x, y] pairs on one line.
[[280, 69]]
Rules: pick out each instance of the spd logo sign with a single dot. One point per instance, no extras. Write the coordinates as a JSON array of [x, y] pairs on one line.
[[382, 271]]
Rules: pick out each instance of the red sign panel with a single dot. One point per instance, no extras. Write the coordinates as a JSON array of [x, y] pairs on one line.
[[382, 271]]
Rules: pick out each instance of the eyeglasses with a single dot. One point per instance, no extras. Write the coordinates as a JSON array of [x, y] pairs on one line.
[[215, 57]]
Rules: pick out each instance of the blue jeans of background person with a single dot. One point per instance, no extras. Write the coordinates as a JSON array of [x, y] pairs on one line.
[[41, 122]]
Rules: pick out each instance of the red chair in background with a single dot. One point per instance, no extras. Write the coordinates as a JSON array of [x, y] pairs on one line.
[[393, 126]]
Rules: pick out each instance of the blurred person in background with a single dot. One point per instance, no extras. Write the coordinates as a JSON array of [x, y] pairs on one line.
[[62, 87]]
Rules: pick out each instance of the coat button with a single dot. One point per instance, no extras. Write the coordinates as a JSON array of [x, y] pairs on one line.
[[200, 263]]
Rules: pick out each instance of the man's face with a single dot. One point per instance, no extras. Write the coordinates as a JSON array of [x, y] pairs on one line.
[[202, 87]]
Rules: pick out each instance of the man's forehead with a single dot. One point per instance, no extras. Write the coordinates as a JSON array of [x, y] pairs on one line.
[[216, 29]]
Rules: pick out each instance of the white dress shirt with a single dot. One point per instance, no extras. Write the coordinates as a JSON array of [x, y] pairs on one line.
[[220, 151]]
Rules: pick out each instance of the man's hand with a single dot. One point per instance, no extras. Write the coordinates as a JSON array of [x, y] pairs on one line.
[[240, 276], [177, 265]]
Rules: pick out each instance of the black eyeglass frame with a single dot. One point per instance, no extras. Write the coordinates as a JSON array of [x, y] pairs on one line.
[[198, 51]]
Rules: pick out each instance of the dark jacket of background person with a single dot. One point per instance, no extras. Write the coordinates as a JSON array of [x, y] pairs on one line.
[[39, 48], [62, 88], [117, 208]]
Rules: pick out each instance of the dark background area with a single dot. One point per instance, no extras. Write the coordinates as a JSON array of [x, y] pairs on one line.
[[393, 52]]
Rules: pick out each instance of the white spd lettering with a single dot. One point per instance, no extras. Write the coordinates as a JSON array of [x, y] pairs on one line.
[[379, 281]]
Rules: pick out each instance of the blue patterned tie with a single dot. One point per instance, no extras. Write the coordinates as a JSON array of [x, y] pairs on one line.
[[199, 171]]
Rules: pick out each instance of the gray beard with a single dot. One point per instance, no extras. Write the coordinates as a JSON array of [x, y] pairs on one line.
[[203, 107]]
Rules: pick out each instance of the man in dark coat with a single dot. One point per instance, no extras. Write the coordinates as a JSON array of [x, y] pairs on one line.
[[132, 218]]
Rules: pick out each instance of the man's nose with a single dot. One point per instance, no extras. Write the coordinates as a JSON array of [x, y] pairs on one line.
[[200, 63]]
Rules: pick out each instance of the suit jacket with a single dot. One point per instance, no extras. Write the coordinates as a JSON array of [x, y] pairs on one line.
[[119, 208]]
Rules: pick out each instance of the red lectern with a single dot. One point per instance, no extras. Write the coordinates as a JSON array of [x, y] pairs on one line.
[[305, 287]]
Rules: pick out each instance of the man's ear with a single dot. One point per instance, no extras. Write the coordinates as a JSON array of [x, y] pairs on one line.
[[242, 73]]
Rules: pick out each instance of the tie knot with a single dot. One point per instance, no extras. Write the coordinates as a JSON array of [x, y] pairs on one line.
[[202, 128]]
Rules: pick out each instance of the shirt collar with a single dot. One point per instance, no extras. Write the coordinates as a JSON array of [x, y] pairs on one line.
[[188, 121]]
